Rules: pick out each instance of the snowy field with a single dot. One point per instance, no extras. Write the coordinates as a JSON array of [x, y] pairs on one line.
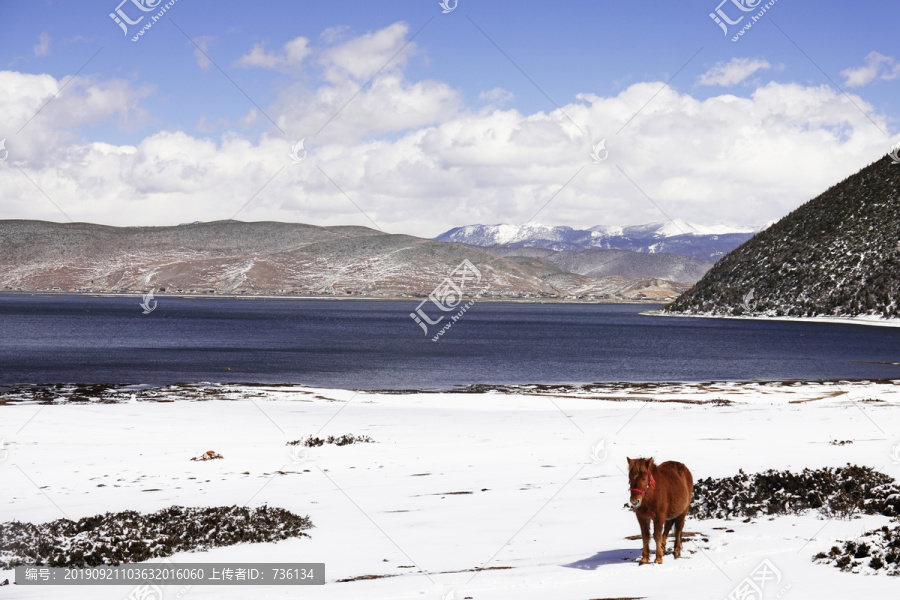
[[530, 479]]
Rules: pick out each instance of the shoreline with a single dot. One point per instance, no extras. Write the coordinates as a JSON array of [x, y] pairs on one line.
[[655, 391], [874, 321], [188, 296]]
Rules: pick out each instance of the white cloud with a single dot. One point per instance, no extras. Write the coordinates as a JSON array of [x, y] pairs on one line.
[[200, 50], [733, 72], [361, 57], [389, 104], [42, 48], [877, 66], [289, 58], [414, 158], [497, 96], [332, 35], [86, 100]]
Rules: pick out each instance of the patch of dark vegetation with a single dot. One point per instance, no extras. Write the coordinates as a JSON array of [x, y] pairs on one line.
[[128, 536], [50, 393], [476, 569], [876, 551], [111, 393], [842, 493], [840, 443], [606, 387], [838, 493], [364, 578], [343, 440], [208, 455], [580, 391]]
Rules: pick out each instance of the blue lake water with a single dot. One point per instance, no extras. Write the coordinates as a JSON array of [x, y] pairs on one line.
[[376, 345]]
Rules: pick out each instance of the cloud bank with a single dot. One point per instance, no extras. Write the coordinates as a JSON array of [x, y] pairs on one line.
[[418, 160]]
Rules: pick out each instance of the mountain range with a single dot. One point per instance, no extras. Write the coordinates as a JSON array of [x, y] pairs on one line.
[[262, 258], [604, 263], [836, 255], [706, 243]]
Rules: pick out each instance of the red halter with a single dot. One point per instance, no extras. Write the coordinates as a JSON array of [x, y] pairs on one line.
[[650, 486]]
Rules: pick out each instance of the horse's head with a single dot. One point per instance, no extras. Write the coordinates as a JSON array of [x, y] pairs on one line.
[[640, 480]]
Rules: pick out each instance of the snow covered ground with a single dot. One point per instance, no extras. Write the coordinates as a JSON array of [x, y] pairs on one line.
[[530, 479]]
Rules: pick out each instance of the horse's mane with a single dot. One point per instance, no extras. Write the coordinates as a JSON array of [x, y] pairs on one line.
[[638, 466]]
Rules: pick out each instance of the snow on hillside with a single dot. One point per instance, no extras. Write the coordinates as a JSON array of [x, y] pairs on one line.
[[681, 227], [506, 233], [525, 481], [705, 242]]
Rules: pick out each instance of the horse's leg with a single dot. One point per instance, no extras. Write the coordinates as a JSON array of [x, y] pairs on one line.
[[657, 536], [645, 535], [665, 536], [679, 528]]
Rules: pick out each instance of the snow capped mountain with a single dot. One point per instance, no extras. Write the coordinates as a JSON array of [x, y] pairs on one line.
[[674, 228], [505, 234], [705, 242]]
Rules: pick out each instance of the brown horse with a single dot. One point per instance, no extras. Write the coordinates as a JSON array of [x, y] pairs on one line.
[[662, 494]]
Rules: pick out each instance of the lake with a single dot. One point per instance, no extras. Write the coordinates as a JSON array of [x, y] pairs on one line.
[[360, 344]]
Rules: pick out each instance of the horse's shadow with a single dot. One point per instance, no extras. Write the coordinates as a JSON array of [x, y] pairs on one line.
[[607, 557]]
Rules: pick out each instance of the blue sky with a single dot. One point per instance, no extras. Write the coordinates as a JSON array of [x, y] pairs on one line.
[[602, 49]]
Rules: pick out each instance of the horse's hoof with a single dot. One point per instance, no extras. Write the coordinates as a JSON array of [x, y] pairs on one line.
[[677, 555], [659, 561], [644, 561]]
